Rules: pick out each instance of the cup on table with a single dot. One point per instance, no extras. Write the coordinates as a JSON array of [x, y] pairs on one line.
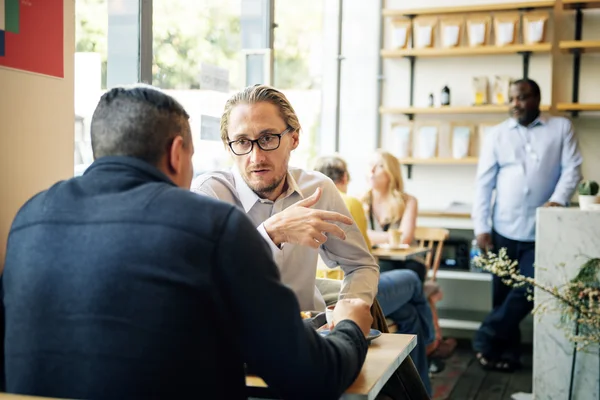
[[394, 237], [329, 315]]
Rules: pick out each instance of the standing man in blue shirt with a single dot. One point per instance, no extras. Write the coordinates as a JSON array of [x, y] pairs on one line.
[[530, 161]]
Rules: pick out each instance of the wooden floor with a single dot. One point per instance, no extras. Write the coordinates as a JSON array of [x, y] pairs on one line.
[[464, 379]]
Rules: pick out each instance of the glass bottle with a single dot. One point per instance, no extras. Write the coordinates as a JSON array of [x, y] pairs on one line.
[[475, 252], [445, 97]]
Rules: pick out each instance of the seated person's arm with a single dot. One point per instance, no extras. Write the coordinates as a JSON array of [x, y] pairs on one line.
[[378, 237], [361, 271], [407, 225], [409, 220], [291, 357], [298, 224]]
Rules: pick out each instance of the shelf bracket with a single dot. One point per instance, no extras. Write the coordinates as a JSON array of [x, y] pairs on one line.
[[577, 59], [411, 94], [526, 57], [411, 59], [409, 168]]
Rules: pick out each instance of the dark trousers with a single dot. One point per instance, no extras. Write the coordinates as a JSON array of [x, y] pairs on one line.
[[499, 335]]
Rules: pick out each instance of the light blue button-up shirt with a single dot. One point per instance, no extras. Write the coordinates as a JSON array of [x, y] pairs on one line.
[[526, 167]]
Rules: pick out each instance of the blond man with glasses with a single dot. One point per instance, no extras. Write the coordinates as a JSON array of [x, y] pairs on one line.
[[299, 213]]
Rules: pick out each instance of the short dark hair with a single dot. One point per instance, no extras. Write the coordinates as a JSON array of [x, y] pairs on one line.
[[138, 121], [333, 167], [535, 88]]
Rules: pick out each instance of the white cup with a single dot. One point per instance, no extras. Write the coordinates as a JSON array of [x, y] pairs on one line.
[[329, 315]]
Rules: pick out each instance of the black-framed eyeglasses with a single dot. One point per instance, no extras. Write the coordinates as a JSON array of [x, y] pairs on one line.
[[268, 142]]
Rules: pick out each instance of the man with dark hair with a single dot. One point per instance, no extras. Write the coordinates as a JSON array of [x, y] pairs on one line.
[[122, 283], [529, 161]]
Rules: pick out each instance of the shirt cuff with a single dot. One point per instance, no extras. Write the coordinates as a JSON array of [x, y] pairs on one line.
[[558, 199], [480, 228], [274, 248]]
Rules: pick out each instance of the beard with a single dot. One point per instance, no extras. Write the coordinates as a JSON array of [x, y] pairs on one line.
[[264, 188]]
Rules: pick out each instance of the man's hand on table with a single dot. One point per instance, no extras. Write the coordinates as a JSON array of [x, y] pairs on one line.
[[356, 310], [300, 224]]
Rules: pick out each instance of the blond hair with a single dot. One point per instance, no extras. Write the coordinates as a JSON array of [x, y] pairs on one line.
[[396, 203], [257, 94]]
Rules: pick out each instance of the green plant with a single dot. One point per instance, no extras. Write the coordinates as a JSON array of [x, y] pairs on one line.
[[588, 188], [577, 300]]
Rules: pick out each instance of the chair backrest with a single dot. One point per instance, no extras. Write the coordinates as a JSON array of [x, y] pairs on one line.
[[433, 239]]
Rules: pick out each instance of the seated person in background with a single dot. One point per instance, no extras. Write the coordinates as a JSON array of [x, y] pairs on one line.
[[336, 169], [400, 291], [388, 207], [300, 214], [122, 283]]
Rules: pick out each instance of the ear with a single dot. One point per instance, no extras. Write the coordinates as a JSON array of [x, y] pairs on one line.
[[345, 179], [175, 162], [295, 139], [228, 149]]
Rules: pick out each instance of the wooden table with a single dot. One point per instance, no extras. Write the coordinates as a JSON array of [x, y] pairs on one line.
[[385, 355], [400, 254]]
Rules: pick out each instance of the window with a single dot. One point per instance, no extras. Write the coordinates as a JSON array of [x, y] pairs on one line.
[[91, 38], [197, 59], [298, 49]]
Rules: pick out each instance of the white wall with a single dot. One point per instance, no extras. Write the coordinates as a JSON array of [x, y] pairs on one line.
[[436, 186], [36, 131]]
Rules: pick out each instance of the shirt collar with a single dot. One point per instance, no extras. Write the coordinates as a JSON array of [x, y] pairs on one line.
[[540, 120], [248, 197]]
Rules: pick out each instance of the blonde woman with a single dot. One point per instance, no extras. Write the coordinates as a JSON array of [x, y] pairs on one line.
[[388, 206], [386, 203]]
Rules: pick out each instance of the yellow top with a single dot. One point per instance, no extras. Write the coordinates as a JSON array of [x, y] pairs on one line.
[[360, 219], [358, 214]]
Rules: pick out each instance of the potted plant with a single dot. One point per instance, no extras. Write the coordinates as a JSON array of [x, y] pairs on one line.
[[588, 194], [577, 301]]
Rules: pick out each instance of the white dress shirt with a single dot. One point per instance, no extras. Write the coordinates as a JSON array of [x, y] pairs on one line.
[[298, 264], [527, 167]]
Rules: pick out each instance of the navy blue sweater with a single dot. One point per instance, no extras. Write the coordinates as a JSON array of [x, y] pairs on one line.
[[118, 284]]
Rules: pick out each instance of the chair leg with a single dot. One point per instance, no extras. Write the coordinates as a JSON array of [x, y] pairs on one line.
[[405, 383]]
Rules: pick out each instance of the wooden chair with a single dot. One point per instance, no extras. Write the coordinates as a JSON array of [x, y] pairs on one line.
[[433, 239]]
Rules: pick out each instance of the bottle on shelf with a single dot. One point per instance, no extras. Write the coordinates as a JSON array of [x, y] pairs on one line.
[[430, 102], [445, 97], [475, 252]]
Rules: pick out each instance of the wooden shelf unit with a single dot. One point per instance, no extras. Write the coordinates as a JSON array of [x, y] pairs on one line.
[[574, 4], [583, 46], [450, 110], [409, 162], [489, 50], [577, 48], [439, 161], [411, 54], [575, 107], [442, 214], [469, 9]]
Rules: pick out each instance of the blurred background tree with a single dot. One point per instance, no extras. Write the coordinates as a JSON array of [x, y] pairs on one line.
[[187, 33]]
